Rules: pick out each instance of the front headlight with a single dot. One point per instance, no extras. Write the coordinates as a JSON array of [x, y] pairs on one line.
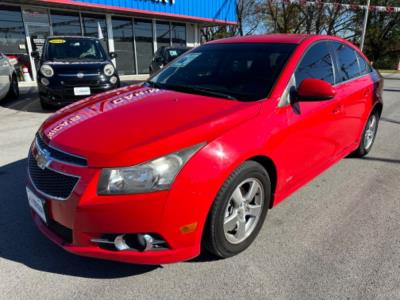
[[47, 71], [155, 175], [109, 69]]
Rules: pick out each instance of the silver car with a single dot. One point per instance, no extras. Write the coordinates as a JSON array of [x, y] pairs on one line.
[[8, 79]]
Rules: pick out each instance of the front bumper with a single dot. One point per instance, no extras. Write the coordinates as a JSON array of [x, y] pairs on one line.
[[61, 95], [73, 223], [148, 258]]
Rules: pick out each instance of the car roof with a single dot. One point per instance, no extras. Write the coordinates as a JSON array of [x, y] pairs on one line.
[[175, 47], [70, 37], [273, 38]]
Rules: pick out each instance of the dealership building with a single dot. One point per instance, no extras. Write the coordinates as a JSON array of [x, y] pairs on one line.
[[134, 29]]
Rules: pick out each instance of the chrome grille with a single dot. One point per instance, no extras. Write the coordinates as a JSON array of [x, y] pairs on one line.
[[51, 183]]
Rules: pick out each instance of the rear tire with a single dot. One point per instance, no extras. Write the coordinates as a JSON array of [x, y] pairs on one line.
[[368, 136], [13, 92], [232, 224]]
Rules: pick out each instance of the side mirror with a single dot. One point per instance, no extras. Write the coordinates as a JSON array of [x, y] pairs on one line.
[[113, 55], [35, 54], [311, 89]]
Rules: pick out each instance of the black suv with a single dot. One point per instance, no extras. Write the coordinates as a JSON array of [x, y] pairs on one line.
[[164, 55], [72, 68]]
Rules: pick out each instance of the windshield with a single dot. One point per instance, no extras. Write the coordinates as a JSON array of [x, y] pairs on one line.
[[74, 49], [242, 71]]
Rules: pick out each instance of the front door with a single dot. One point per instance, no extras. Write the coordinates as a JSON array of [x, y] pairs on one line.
[[311, 126]]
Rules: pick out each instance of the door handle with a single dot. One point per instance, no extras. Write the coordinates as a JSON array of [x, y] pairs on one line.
[[337, 110]]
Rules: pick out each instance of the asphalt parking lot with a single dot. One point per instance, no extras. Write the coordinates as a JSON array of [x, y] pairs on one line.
[[336, 238]]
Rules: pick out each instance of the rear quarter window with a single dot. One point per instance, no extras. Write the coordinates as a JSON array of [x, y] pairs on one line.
[[365, 68], [347, 62]]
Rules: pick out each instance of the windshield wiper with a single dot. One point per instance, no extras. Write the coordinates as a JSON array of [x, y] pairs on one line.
[[212, 92], [153, 84], [196, 89]]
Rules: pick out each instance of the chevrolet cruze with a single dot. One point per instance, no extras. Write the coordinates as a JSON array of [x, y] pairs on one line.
[[196, 156]]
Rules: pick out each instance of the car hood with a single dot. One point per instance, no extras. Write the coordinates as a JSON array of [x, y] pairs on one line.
[[135, 124], [74, 67]]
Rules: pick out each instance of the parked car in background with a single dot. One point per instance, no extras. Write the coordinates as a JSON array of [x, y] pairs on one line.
[[164, 55], [72, 68], [8, 79], [199, 153]]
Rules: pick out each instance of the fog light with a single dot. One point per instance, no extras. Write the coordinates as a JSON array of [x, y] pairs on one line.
[[45, 81], [120, 243], [132, 242], [113, 79]]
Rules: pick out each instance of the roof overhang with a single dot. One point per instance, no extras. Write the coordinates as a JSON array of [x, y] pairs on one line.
[[136, 12]]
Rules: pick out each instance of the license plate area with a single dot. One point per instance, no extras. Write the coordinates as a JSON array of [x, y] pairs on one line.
[[82, 91], [36, 204]]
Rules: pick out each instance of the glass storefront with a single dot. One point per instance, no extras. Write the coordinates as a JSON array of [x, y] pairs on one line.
[[144, 44], [124, 45], [95, 26], [178, 32], [65, 23], [163, 34], [132, 38], [12, 37]]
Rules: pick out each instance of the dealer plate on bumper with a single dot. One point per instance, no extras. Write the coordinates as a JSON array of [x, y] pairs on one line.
[[82, 91], [36, 204]]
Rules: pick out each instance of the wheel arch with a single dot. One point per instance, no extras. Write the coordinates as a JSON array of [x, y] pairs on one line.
[[270, 167], [378, 108]]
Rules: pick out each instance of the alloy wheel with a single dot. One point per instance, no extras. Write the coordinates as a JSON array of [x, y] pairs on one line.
[[243, 210]]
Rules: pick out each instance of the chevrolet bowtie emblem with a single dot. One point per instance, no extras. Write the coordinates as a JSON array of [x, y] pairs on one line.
[[42, 157]]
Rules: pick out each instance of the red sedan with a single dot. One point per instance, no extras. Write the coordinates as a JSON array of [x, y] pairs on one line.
[[197, 155]]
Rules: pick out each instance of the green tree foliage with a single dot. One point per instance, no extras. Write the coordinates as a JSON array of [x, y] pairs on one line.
[[382, 40], [382, 43]]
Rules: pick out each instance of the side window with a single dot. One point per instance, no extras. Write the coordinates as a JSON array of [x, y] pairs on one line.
[[317, 63], [364, 66], [347, 62]]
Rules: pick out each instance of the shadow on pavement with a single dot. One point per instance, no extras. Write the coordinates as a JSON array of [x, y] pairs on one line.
[[28, 100], [390, 120], [387, 160], [391, 90], [23, 243]]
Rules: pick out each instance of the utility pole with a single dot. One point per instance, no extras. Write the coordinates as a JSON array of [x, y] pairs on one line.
[[364, 30]]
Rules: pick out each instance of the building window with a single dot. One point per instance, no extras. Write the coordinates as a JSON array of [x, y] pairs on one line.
[[163, 34], [178, 32], [123, 45], [66, 23], [144, 44], [12, 33], [12, 37], [95, 26]]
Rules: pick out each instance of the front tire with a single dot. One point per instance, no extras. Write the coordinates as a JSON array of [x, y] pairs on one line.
[[368, 136], [238, 211]]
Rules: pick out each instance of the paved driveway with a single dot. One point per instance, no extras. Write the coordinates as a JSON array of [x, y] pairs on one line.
[[338, 237]]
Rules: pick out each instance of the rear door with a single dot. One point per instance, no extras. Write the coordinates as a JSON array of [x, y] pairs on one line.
[[354, 88]]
